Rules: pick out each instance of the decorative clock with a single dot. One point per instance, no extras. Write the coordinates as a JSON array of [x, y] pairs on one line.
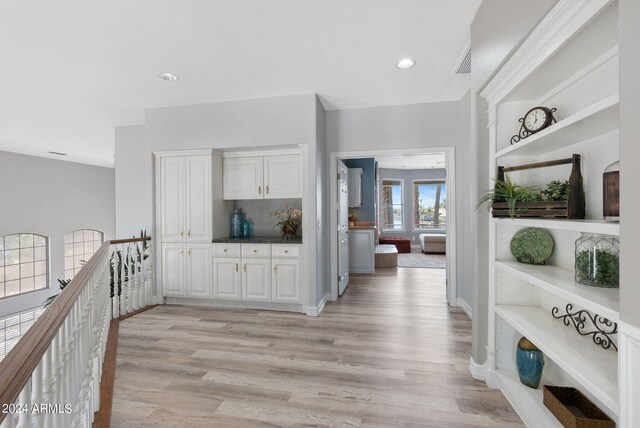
[[536, 119]]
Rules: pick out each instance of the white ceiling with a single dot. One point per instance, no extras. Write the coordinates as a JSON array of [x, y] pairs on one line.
[[72, 70], [412, 161]]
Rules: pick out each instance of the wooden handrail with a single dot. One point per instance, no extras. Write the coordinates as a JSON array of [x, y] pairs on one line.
[[18, 365]]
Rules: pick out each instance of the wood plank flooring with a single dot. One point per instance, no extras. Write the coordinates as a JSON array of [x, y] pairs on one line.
[[389, 353]]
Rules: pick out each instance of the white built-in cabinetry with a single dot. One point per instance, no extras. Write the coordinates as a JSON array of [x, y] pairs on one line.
[[355, 187], [362, 244], [569, 62], [273, 176], [257, 272]]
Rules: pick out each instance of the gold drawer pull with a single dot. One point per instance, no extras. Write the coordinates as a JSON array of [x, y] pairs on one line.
[[245, 268], [255, 251], [286, 251], [236, 267], [225, 250]]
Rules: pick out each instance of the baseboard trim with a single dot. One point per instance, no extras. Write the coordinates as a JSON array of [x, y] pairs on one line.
[[461, 303], [478, 371], [629, 374], [157, 300], [316, 311]]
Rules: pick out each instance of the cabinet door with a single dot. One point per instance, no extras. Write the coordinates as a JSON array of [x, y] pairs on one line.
[[242, 178], [285, 281], [198, 198], [226, 278], [355, 187], [361, 251], [256, 280], [173, 284], [198, 271], [172, 197], [283, 176]]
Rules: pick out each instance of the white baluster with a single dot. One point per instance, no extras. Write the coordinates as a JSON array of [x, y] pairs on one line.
[[25, 417], [37, 419]]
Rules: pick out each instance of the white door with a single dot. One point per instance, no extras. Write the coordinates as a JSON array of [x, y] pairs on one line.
[[198, 271], [226, 278], [242, 178], [173, 284], [285, 281], [172, 197], [256, 280], [198, 198], [283, 176], [343, 227]]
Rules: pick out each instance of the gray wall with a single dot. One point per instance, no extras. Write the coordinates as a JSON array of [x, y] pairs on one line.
[[417, 126], [366, 211], [52, 198], [133, 175], [629, 156], [496, 31], [408, 175]]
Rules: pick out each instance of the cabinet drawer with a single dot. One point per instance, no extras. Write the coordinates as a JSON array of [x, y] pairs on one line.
[[286, 250], [256, 250], [226, 250]]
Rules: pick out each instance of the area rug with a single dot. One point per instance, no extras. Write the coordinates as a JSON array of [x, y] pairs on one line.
[[417, 259]]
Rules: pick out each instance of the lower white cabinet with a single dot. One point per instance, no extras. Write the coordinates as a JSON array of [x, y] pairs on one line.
[[226, 278], [255, 276], [362, 245], [256, 281], [285, 280], [186, 270]]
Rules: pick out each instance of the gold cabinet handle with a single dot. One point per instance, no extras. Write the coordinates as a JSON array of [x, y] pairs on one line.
[[225, 250], [255, 251], [236, 267], [181, 251], [182, 233], [189, 252], [275, 269], [245, 268], [189, 233], [267, 189], [286, 251], [259, 190]]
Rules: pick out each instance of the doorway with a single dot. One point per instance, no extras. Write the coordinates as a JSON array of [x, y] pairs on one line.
[[412, 214]]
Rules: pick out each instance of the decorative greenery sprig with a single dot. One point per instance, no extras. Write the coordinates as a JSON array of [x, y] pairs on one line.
[[288, 217], [597, 267]]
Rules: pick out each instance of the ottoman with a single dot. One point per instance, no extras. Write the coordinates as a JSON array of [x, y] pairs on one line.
[[402, 244], [433, 243]]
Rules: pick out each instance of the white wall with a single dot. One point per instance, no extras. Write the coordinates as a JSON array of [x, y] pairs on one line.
[[629, 158], [52, 198], [443, 124], [496, 31], [322, 200]]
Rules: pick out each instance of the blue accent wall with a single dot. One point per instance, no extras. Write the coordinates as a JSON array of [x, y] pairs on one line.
[[367, 211]]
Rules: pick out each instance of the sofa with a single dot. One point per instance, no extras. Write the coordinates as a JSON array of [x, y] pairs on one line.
[[433, 243]]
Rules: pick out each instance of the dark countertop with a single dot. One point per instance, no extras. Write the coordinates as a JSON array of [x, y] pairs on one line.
[[258, 240]]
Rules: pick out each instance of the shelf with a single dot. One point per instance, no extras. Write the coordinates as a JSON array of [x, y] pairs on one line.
[[596, 369], [558, 281], [597, 119], [526, 401], [591, 226]]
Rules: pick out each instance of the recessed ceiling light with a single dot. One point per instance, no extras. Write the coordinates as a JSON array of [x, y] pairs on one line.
[[406, 63], [168, 76], [57, 153]]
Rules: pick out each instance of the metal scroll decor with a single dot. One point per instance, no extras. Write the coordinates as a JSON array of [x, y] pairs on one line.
[[596, 326]]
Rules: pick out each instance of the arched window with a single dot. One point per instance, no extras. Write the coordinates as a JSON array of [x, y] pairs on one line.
[[79, 246], [23, 263]]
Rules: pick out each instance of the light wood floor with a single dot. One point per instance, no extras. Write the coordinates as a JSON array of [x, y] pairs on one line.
[[389, 353]]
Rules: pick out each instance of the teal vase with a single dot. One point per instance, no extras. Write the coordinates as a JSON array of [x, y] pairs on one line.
[[530, 362]]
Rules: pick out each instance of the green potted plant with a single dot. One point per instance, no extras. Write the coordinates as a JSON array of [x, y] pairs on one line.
[[288, 221]]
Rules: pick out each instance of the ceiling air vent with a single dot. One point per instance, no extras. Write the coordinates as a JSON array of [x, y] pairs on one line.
[[464, 66]]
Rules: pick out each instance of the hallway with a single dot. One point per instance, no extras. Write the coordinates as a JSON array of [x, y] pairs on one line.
[[388, 353]]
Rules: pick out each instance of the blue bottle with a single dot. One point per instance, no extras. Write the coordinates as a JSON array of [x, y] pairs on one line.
[[246, 228], [236, 223]]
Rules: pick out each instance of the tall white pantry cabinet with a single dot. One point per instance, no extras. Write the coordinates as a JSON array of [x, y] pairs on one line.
[[569, 62], [185, 218]]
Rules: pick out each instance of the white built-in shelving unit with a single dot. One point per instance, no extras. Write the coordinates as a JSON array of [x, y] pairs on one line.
[[568, 62]]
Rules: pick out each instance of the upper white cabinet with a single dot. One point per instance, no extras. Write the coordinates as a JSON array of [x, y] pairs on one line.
[[355, 187], [185, 197], [262, 177]]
